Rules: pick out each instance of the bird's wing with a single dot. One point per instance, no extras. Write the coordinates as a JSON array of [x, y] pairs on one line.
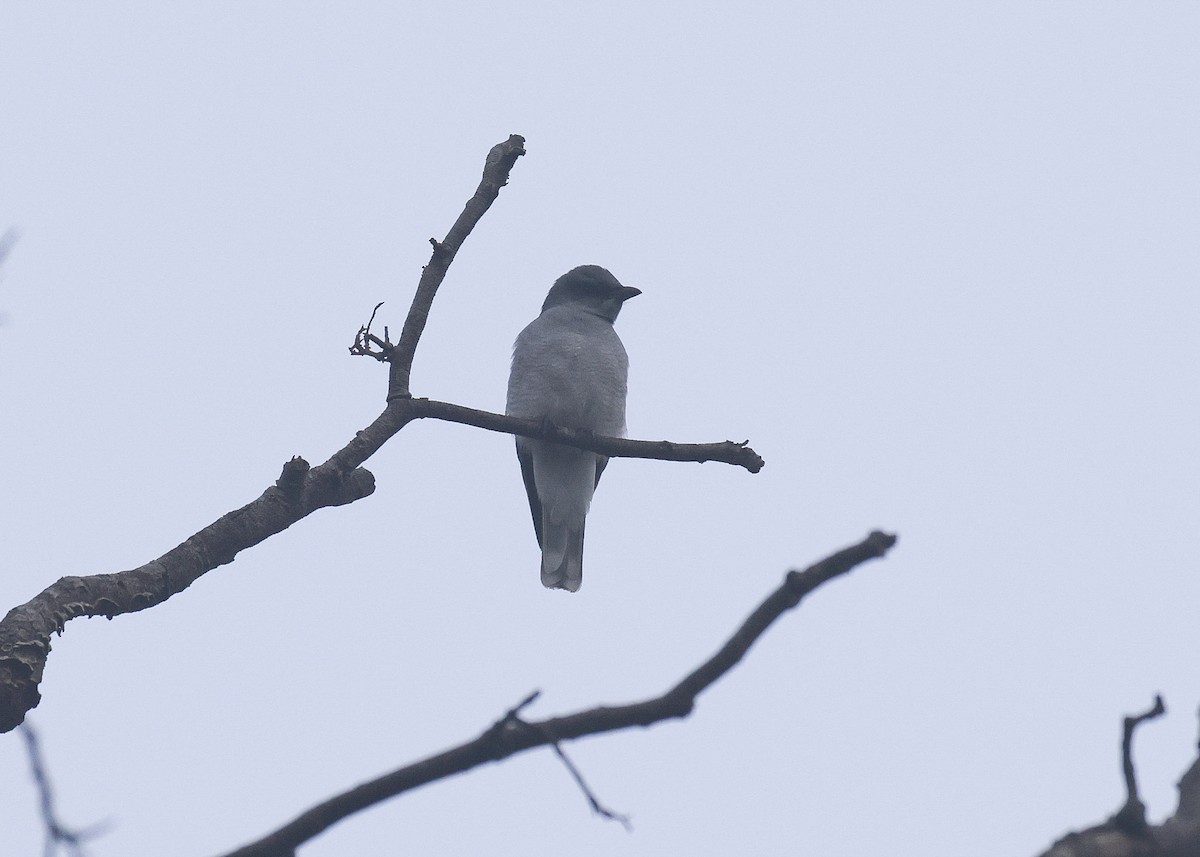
[[601, 463], [525, 456]]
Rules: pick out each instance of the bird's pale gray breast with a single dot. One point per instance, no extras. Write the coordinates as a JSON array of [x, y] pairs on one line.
[[570, 368]]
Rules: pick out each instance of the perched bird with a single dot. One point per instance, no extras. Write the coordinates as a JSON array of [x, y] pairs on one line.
[[569, 368]]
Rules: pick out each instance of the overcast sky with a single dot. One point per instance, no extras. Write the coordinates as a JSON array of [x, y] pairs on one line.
[[938, 262]]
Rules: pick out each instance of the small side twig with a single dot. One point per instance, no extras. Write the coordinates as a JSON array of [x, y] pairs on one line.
[[1131, 818], [512, 720], [367, 344], [512, 717], [597, 807], [499, 163], [56, 832]]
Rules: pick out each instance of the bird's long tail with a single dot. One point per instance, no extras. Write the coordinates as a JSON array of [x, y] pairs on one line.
[[565, 478], [562, 555]]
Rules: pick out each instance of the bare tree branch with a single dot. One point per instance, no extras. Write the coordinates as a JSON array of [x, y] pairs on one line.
[[57, 833], [1126, 834], [593, 801], [25, 631], [727, 452], [1179, 835], [499, 163], [510, 734]]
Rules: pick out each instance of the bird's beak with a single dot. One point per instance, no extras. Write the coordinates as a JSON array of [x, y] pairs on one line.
[[628, 292]]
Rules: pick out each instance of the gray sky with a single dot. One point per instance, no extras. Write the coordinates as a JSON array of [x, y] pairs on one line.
[[938, 262]]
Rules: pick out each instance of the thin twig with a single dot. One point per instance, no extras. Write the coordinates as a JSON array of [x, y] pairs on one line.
[[1131, 818], [597, 807], [364, 339], [499, 163], [513, 715], [57, 833]]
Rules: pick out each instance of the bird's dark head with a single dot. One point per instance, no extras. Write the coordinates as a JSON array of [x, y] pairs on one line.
[[592, 288]]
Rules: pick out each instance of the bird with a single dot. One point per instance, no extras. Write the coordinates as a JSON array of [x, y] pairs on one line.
[[569, 368]]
